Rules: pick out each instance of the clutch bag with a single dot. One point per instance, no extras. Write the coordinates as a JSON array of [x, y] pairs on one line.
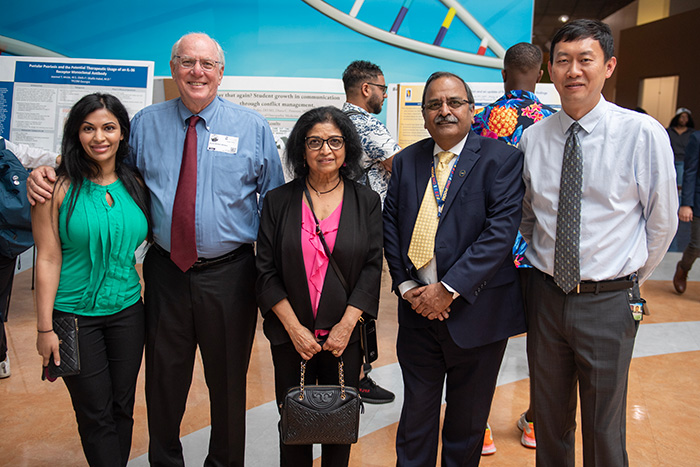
[[321, 414], [66, 328]]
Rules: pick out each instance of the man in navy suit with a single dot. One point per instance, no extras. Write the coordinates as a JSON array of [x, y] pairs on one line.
[[459, 303]]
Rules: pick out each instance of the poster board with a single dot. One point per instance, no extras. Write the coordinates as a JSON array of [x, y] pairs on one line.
[[36, 93]]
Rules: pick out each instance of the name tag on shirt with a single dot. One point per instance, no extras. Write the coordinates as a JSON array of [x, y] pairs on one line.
[[223, 143]]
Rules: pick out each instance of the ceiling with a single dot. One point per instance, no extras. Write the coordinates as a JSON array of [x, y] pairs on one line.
[[547, 13]]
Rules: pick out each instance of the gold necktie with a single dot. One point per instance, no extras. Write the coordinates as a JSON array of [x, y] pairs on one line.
[[422, 247]]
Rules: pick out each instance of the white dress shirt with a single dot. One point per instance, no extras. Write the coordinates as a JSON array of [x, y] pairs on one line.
[[630, 200], [428, 273]]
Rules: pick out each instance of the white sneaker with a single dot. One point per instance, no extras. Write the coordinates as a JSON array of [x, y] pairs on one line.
[[5, 368]]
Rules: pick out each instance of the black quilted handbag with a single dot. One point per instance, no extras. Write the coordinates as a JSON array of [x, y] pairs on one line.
[[66, 328], [321, 414]]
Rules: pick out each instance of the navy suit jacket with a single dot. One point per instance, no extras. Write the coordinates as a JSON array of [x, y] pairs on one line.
[[690, 193], [474, 239]]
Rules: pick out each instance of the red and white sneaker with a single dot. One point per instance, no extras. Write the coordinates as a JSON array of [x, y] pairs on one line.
[[488, 448], [527, 439]]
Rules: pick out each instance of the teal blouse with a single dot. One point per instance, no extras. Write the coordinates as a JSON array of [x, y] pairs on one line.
[[98, 274]]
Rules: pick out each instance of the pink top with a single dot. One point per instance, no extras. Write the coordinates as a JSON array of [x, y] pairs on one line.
[[315, 259]]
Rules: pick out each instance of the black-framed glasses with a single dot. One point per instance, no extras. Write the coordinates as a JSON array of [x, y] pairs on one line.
[[383, 87], [453, 103], [334, 142], [189, 62]]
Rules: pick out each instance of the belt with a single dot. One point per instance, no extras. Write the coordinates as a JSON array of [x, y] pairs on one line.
[[622, 283], [203, 263]]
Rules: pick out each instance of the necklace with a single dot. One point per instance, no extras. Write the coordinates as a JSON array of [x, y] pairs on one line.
[[319, 193]]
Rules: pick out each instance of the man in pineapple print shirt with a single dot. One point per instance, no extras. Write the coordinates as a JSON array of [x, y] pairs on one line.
[[518, 108]]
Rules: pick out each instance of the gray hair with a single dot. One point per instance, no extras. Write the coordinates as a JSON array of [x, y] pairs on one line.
[[219, 51]]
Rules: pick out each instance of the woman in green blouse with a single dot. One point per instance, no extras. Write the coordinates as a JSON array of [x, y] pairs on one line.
[[86, 238]]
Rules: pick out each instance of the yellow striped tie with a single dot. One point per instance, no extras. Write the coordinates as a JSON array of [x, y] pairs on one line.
[[422, 247]]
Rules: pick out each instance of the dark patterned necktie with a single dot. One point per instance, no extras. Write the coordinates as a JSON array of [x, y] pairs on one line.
[[183, 241], [567, 273]]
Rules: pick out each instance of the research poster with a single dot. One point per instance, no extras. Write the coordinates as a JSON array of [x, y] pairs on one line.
[[282, 100], [36, 94]]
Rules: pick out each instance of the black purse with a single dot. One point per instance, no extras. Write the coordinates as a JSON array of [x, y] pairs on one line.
[[368, 327], [321, 414], [66, 328]]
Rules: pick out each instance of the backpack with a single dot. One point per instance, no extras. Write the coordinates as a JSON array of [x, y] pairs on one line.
[[15, 214]]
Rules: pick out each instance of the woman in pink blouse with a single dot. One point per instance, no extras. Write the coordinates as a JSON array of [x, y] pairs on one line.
[[307, 312]]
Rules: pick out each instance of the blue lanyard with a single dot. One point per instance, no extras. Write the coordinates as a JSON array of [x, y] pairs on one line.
[[440, 198]]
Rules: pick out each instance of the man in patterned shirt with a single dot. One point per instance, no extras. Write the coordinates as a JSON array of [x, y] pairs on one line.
[[518, 108], [365, 91], [506, 119]]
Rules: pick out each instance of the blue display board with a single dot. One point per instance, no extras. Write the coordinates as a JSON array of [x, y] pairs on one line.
[[294, 38]]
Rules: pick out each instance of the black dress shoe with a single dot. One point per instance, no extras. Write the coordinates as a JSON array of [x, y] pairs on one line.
[[680, 278]]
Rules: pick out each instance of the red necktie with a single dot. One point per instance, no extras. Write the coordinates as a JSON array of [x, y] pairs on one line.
[[183, 244]]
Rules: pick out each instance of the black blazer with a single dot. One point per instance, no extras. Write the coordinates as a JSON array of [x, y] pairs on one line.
[[280, 263], [474, 239]]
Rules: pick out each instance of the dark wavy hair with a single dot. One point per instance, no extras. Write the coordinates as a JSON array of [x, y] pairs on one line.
[[674, 120], [359, 72], [580, 29], [296, 144], [76, 165]]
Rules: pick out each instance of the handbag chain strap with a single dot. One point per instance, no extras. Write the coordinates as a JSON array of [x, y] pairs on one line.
[[341, 378]]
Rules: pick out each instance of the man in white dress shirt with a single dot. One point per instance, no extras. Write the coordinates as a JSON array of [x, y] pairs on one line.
[[583, 309]]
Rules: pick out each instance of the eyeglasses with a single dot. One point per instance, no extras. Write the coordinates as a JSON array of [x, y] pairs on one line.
[[451, 103], [383, 87], [189, 62], [334, 142]]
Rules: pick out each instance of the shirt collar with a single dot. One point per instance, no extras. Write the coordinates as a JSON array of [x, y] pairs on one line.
[[349, 106], [456, 149], [589, 121], [521, 94], [206, 114]]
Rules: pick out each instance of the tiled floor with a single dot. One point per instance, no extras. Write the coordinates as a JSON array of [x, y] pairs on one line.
[[37, 424]]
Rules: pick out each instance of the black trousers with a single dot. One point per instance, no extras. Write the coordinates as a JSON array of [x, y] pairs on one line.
[[7, 275], [427, 356], [111, 349], [321, 369], [213, 307]]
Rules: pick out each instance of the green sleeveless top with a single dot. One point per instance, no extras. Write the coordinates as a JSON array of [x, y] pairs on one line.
[[98, 274]]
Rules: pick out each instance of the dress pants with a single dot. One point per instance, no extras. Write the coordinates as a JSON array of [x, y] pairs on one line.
[[587, 339], [111, 349], [427, 356], [213, 307], [7, 275], [321, 369]]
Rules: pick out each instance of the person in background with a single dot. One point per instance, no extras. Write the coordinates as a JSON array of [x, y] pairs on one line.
[[679, 131], [599, 213], [365, 91], [86, 238], [307, 312], [208, 164], [690, 205], [29, 157], [506, 119]]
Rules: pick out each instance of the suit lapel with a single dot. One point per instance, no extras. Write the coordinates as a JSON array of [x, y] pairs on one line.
[[467, 160], [423, 165]]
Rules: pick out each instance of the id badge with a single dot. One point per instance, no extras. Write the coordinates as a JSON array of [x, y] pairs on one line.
[[636, 301]]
